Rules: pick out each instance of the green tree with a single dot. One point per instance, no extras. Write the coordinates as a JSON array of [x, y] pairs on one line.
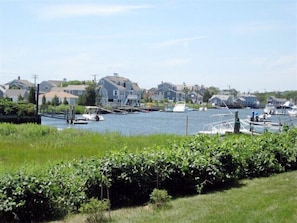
[[43, 100], [55, 101], [65, 102], [44, 105], [206, 96], [91, 95], [31, 97], [81, 100]]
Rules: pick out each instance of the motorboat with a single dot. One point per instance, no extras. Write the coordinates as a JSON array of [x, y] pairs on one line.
[[293, 111], [225, 125], [180, 106], [92, 113], [270, 109], [288, 104], [203, 108]]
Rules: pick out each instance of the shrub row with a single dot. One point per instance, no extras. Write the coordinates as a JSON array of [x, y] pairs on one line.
[[192, 165], [19, 109]]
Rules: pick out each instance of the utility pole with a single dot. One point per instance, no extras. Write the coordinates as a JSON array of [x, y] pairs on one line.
[[35, 76], [94, 75]]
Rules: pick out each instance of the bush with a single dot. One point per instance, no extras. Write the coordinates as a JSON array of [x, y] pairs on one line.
[[160, 199], [14, 108], [95, 210], [192, 165]]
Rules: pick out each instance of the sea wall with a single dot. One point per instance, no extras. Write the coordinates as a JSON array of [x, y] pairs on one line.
[[20, 119]]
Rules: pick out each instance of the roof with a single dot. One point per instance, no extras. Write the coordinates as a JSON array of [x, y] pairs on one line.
[[21, 82], [119, 81], [59, 94], [55, 83], [76, 87], [221, 96]]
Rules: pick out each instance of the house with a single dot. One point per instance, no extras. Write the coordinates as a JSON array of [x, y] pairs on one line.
[[46, 86], [195, 97], [152, 94], [222, 100], [15, 94], [169, 92], [49, 96], [20, 84], [77, 90], [119, 91], [248, 100], [277, 102]]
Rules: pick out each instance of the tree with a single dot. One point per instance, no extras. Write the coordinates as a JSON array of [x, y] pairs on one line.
[[55, 101], [43, 100], [44, 104], [81, 100], [206, 96], [209, 93], [31, 97], [65, 102], [91, 95]]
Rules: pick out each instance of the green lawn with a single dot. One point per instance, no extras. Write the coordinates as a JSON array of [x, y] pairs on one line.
[[272, 199]]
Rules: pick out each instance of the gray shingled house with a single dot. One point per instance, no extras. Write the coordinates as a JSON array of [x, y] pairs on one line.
[[119, 91]]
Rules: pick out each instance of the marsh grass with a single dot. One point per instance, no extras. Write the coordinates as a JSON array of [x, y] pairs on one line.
[[272, 199], [32, 147]]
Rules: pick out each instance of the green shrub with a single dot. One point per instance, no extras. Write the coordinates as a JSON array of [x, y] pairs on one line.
[[16, 108], [160, 199], [191, 165], [95, 209]]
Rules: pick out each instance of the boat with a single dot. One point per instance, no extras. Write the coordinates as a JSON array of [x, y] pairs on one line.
[[179, 106], [288, 104], [92, 113], [270, 109], [203, 108], [293, 111], [79, 122], [224, 126], [252, 125]]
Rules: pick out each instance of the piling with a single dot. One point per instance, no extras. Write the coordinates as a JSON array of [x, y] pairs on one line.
[[236, 124]]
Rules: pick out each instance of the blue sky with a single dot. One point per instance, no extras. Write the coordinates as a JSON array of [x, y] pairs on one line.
[[249, 45]]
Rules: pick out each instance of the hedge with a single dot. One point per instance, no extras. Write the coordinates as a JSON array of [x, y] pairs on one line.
[[192, 166]]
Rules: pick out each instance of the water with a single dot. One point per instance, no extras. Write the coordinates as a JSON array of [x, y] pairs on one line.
[[156, 122]]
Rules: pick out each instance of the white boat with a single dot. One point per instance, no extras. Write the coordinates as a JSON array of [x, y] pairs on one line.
[[293, 111], [247, 126], [203, 108], [225, 126], [270, 109], [288, 104], [180, 106], [92, 113]]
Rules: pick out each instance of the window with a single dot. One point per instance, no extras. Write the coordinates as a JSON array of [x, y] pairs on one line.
[[115, 92]]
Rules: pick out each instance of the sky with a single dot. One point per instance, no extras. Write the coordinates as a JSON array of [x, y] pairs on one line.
[[249, 45]]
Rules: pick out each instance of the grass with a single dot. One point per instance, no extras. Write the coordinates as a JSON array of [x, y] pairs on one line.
[[33, 147], [263, 200]]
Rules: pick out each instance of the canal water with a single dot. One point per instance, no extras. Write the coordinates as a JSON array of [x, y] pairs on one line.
[[157, 122]]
